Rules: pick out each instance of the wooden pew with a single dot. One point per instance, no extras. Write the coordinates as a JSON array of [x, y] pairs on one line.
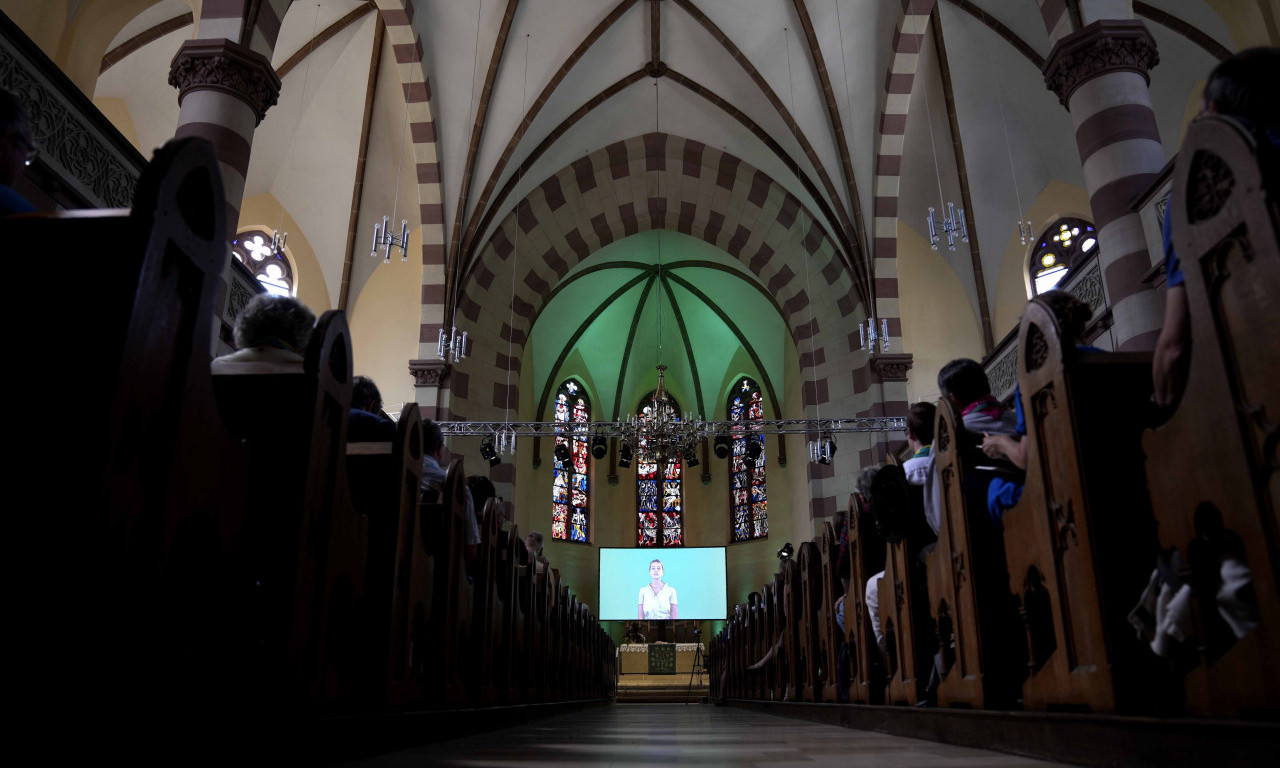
[[162, 471], [769, 631], [385, 486], [451, 648], [866, 558], [739, 649], [790, 609], [899, 617], [1213, 464], [1081, 544], [968, 584], [809, 629], [488, 609], [515, 580], [753, 620], [302, 537], [829, 630]]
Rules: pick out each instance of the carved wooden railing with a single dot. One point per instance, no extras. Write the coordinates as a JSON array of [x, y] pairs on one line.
[[84, 161]]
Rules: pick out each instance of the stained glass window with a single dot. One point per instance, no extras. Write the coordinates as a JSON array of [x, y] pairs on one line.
[[659, 488], [569, 485], [747, 484], [253, 250], [1060, 248]]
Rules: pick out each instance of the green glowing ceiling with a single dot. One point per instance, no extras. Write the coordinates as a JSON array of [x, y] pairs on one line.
[[603, 320]]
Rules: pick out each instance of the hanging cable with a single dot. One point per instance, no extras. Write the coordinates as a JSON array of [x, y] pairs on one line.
[[657, 128], [515, 256], [278, 237], [804, 251]]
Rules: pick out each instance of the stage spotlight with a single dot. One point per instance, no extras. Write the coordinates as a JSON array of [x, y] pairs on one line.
[[488, 453], [690, 457], [755, 449], [624, 455], [786, 552], [561, 452], [827, 452], [599, 446], [722, 445]]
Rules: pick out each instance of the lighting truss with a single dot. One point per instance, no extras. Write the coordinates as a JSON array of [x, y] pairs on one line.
[[705, 429]]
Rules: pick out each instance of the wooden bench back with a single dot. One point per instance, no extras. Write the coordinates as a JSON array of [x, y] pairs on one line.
[[829, 631], [1213, 464], [1075, 565], [954, 604], [866, 558]]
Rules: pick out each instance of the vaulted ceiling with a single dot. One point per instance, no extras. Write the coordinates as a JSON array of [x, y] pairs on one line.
[[523, 89]]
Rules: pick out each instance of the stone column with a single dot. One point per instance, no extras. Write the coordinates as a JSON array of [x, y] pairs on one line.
[[1100, 75], [224, 91]]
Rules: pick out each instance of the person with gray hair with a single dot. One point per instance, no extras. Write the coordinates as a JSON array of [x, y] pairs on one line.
[[17, 150], [271, 336], [533, 543]]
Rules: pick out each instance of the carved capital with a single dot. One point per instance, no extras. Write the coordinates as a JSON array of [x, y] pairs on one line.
[[891, 367], [1102, 47], [221, 65], [428, 373]]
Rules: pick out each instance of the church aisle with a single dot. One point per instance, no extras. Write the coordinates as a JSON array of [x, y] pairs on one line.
[[640, 735]]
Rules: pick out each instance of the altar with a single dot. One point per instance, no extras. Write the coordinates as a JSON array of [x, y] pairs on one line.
[[633, 658]]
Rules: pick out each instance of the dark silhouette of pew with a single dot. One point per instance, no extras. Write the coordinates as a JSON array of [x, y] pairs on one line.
[[968, 581], [866, 559], [1081, 542], [239, 572], [1212, 468]]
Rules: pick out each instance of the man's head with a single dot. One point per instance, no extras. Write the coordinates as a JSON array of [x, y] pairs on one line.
[[433, 440], [920, 425], [274, 321], [1071, 313], [963, 381], [1244, 86], [16, 146], [889, 502], [481, 491], [365, 394], [533, 543], [862, 483]]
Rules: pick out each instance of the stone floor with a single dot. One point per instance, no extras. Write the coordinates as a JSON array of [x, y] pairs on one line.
[[639, 735]]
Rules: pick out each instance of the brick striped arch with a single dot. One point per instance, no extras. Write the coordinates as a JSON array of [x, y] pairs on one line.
[[407, 45], [662, 181], [908, 37]]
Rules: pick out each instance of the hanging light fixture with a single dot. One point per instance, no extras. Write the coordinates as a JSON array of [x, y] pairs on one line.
[[952, 224]]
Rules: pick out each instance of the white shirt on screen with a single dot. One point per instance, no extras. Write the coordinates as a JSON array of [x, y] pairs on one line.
[[657, 606]]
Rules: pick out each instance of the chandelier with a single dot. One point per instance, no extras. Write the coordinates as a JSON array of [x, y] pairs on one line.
[[664, 435]]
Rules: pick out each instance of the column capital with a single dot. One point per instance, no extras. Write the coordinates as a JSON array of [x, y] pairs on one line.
[[233, 69], [1106, 45], [891, 367], [428, 373]]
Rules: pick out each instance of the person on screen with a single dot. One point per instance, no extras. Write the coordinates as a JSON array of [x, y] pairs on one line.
[[657, 598]]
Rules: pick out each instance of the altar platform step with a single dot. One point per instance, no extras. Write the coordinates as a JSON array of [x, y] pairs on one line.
[[661, 689]]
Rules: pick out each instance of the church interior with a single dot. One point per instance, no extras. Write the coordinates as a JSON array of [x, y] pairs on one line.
[[672, 279]]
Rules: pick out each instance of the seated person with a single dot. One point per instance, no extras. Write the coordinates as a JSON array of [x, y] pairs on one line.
[[900, 518], [482, 490], [365, 423], [919, 468], [1073, 317], [271, 336], [533, 543], [871, 593], [433, 475], [1240, 87]]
